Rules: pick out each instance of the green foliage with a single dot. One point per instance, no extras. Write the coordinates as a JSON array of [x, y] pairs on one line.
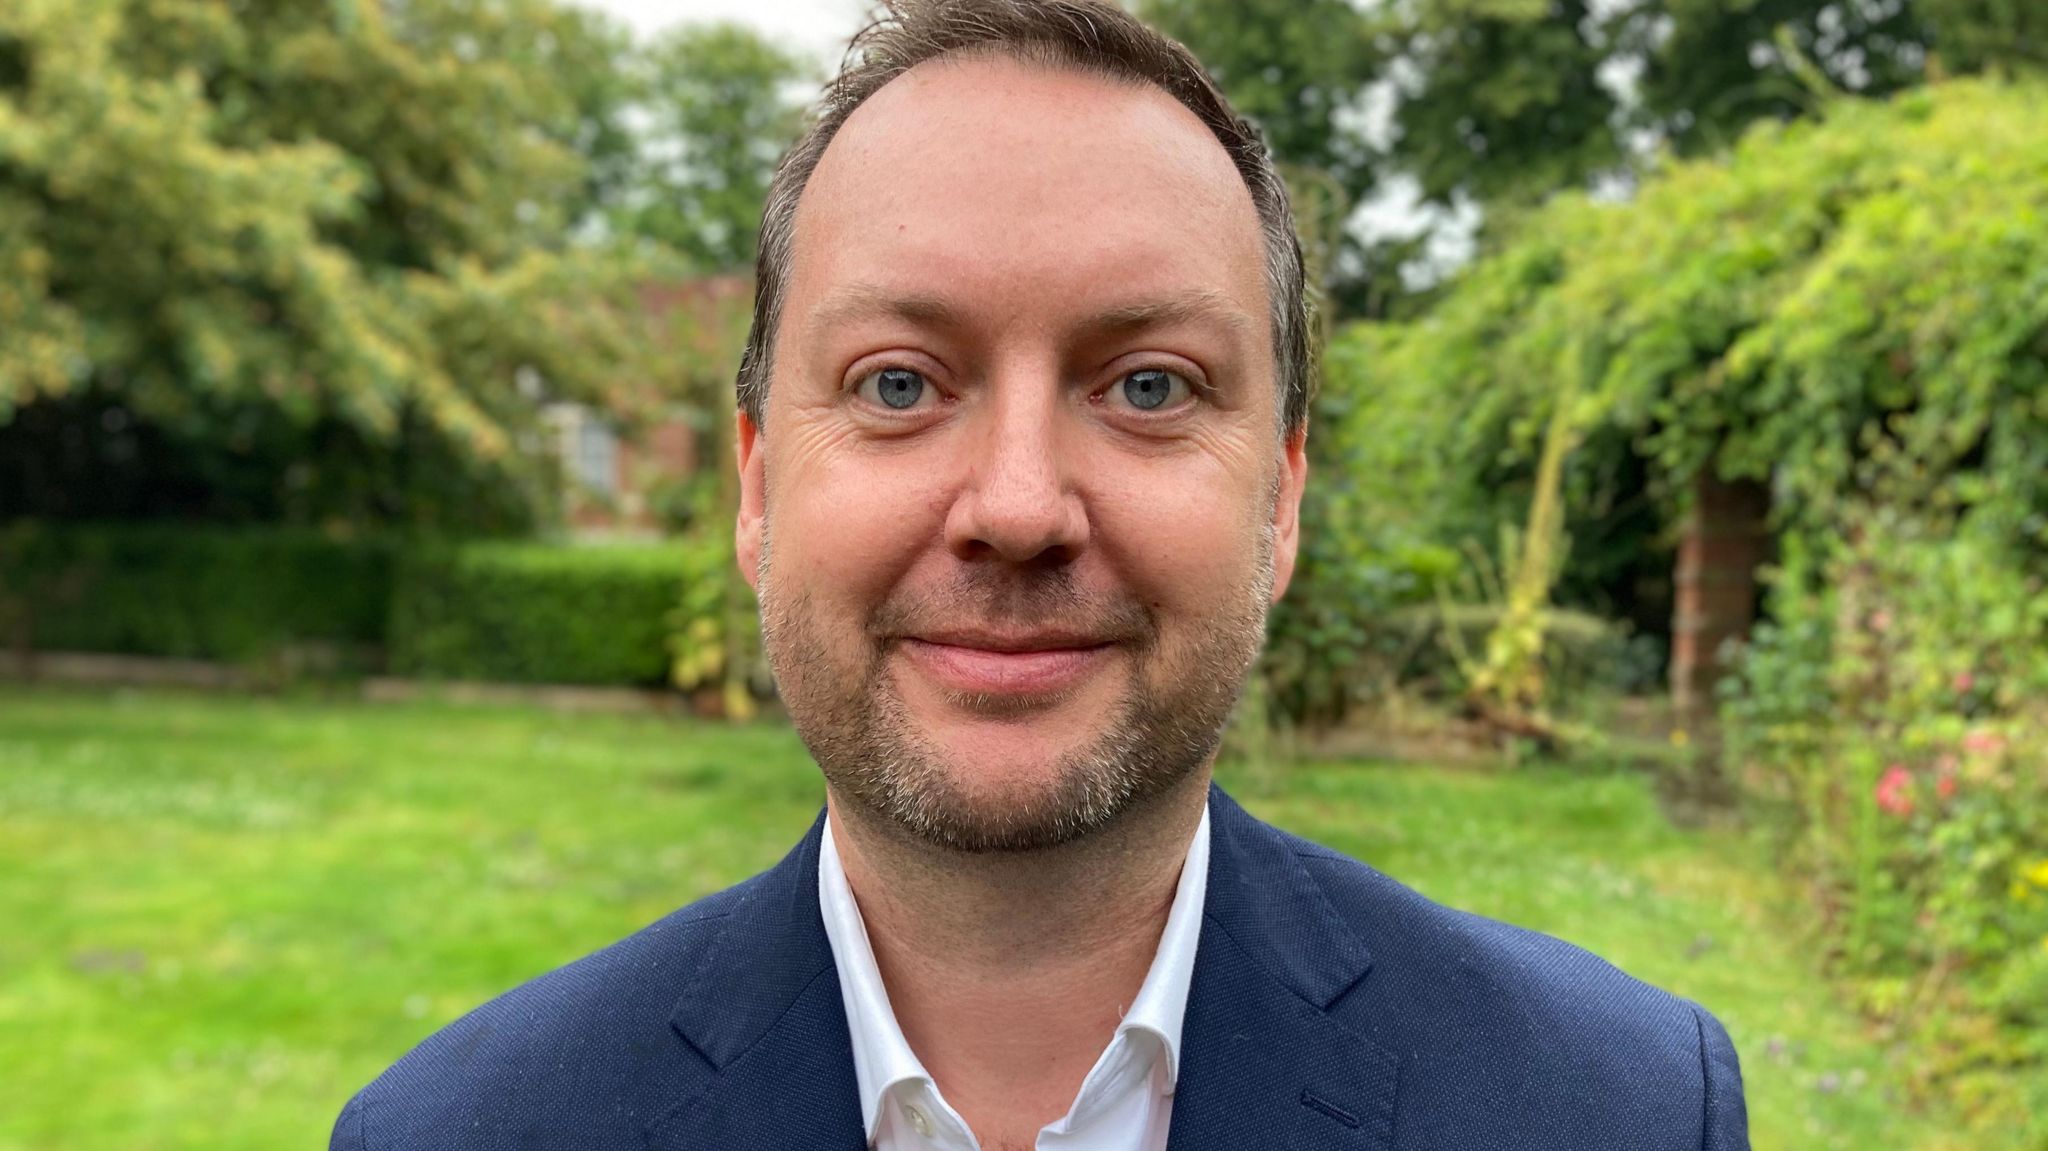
[[1977, 35], [536, 613], [1507, 681], [291, 600], [1853, 310], [1715, 67], [1840, 306], [1585, 657], [1343, 634], [343, 224], [1894, 719], [1500, 99], [1510, 100], [697, 623], [250, 597], [716, 97], [1500, 103]]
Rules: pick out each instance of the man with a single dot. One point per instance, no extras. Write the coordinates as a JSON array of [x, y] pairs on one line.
[[1021, 446]]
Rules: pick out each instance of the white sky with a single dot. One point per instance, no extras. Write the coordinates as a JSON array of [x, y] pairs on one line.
[[818, 29]]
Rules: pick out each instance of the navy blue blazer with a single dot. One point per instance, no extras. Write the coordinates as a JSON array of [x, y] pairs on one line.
[[1331, 1007]]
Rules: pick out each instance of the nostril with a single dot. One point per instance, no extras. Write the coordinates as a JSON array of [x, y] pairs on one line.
[[1018, 527], [1045, 559]]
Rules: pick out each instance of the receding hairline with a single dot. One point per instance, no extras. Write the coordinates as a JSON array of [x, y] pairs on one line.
[[872, 297], [1057, 60]]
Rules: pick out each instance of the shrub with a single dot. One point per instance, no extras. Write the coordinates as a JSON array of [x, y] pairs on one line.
[[1894, 719], [1342, 636], [232, 594], [536, 613], [1585, 657]]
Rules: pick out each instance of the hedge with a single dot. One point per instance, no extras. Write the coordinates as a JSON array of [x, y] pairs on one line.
[[525, 612], [235, 595], [536, 613]]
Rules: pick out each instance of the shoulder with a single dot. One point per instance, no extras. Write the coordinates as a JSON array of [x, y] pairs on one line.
[[576, 1052], [1551, 1034]]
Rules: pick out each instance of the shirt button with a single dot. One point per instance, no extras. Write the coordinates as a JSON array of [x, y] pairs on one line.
[[918, 1122]]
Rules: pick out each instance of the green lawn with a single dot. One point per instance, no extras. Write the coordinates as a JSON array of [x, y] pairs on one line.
[[221, 916]]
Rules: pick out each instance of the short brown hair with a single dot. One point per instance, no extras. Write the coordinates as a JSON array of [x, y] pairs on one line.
[[1089, 35]]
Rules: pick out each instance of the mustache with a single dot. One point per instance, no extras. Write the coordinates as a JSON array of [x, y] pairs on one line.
[[1017, 598]]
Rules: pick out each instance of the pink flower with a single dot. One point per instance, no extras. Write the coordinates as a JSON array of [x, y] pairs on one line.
[[1981, 742], [1964, 682], [1945, 787], [1894, 790]]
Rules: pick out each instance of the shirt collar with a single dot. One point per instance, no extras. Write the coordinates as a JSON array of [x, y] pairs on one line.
[[882, 1058]]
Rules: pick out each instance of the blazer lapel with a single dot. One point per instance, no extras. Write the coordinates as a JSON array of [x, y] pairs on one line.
[[765, 1014], [1263, 1063]]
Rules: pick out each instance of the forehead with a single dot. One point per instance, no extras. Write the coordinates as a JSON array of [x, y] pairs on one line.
[[1028, 188]]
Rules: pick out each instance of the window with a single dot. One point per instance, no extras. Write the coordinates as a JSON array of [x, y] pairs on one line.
[[588, 447]]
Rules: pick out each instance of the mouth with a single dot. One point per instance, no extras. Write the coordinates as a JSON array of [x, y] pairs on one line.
[[1015, 665]]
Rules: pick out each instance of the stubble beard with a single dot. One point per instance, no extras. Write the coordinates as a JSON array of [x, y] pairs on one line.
[[849, 712]]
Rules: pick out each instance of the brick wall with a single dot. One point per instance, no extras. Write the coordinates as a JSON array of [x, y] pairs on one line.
[[1725, 540]]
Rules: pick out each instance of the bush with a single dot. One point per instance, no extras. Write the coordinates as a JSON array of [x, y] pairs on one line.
[[1585, 657], [1341, 636], [178, 590], [1894, 718], [536, 613]]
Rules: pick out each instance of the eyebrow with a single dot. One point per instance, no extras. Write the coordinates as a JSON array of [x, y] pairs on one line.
[[1203, 306], [870, 301]]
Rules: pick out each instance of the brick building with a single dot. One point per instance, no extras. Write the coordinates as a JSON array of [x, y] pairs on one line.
[[615, 469]]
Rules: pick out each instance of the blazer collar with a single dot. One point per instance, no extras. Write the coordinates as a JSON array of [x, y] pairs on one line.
[[1262, 1063], [764, 1012], [1266, 1064]]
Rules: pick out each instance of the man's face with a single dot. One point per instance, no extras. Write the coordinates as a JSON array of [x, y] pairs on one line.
[[1020, 502]]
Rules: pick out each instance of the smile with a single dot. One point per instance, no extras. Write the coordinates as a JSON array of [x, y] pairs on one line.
[[1022, 666]]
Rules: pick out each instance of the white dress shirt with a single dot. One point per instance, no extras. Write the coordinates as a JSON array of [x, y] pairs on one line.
[[1127, 1097]]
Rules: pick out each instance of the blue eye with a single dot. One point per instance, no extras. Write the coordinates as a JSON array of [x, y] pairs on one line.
[[1151, 389], [896, 388]]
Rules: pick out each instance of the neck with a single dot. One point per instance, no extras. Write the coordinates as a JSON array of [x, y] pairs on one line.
[[1004, 961]]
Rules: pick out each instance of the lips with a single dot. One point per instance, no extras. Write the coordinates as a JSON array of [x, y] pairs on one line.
[[1006, 665]]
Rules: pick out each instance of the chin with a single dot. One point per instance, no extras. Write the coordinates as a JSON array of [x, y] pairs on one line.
[[1006, 765], [982, 786]]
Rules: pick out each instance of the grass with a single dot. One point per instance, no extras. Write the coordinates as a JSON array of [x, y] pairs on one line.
[[224, 915]]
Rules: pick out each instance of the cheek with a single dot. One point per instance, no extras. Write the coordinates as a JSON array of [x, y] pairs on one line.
[[1183, 534], [844, 526]]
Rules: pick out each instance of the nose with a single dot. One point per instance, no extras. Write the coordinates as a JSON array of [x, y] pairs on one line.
[[1019, 503]]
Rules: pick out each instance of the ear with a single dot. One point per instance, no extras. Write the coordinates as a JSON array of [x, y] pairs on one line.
[[1287, 508], [746, 529]]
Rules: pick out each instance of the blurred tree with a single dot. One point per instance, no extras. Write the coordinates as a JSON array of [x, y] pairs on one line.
[[1498, 99], [1513, 99], [1985, 35], [1295, 67], [1499, 103], [311, 243], [720, 111]]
